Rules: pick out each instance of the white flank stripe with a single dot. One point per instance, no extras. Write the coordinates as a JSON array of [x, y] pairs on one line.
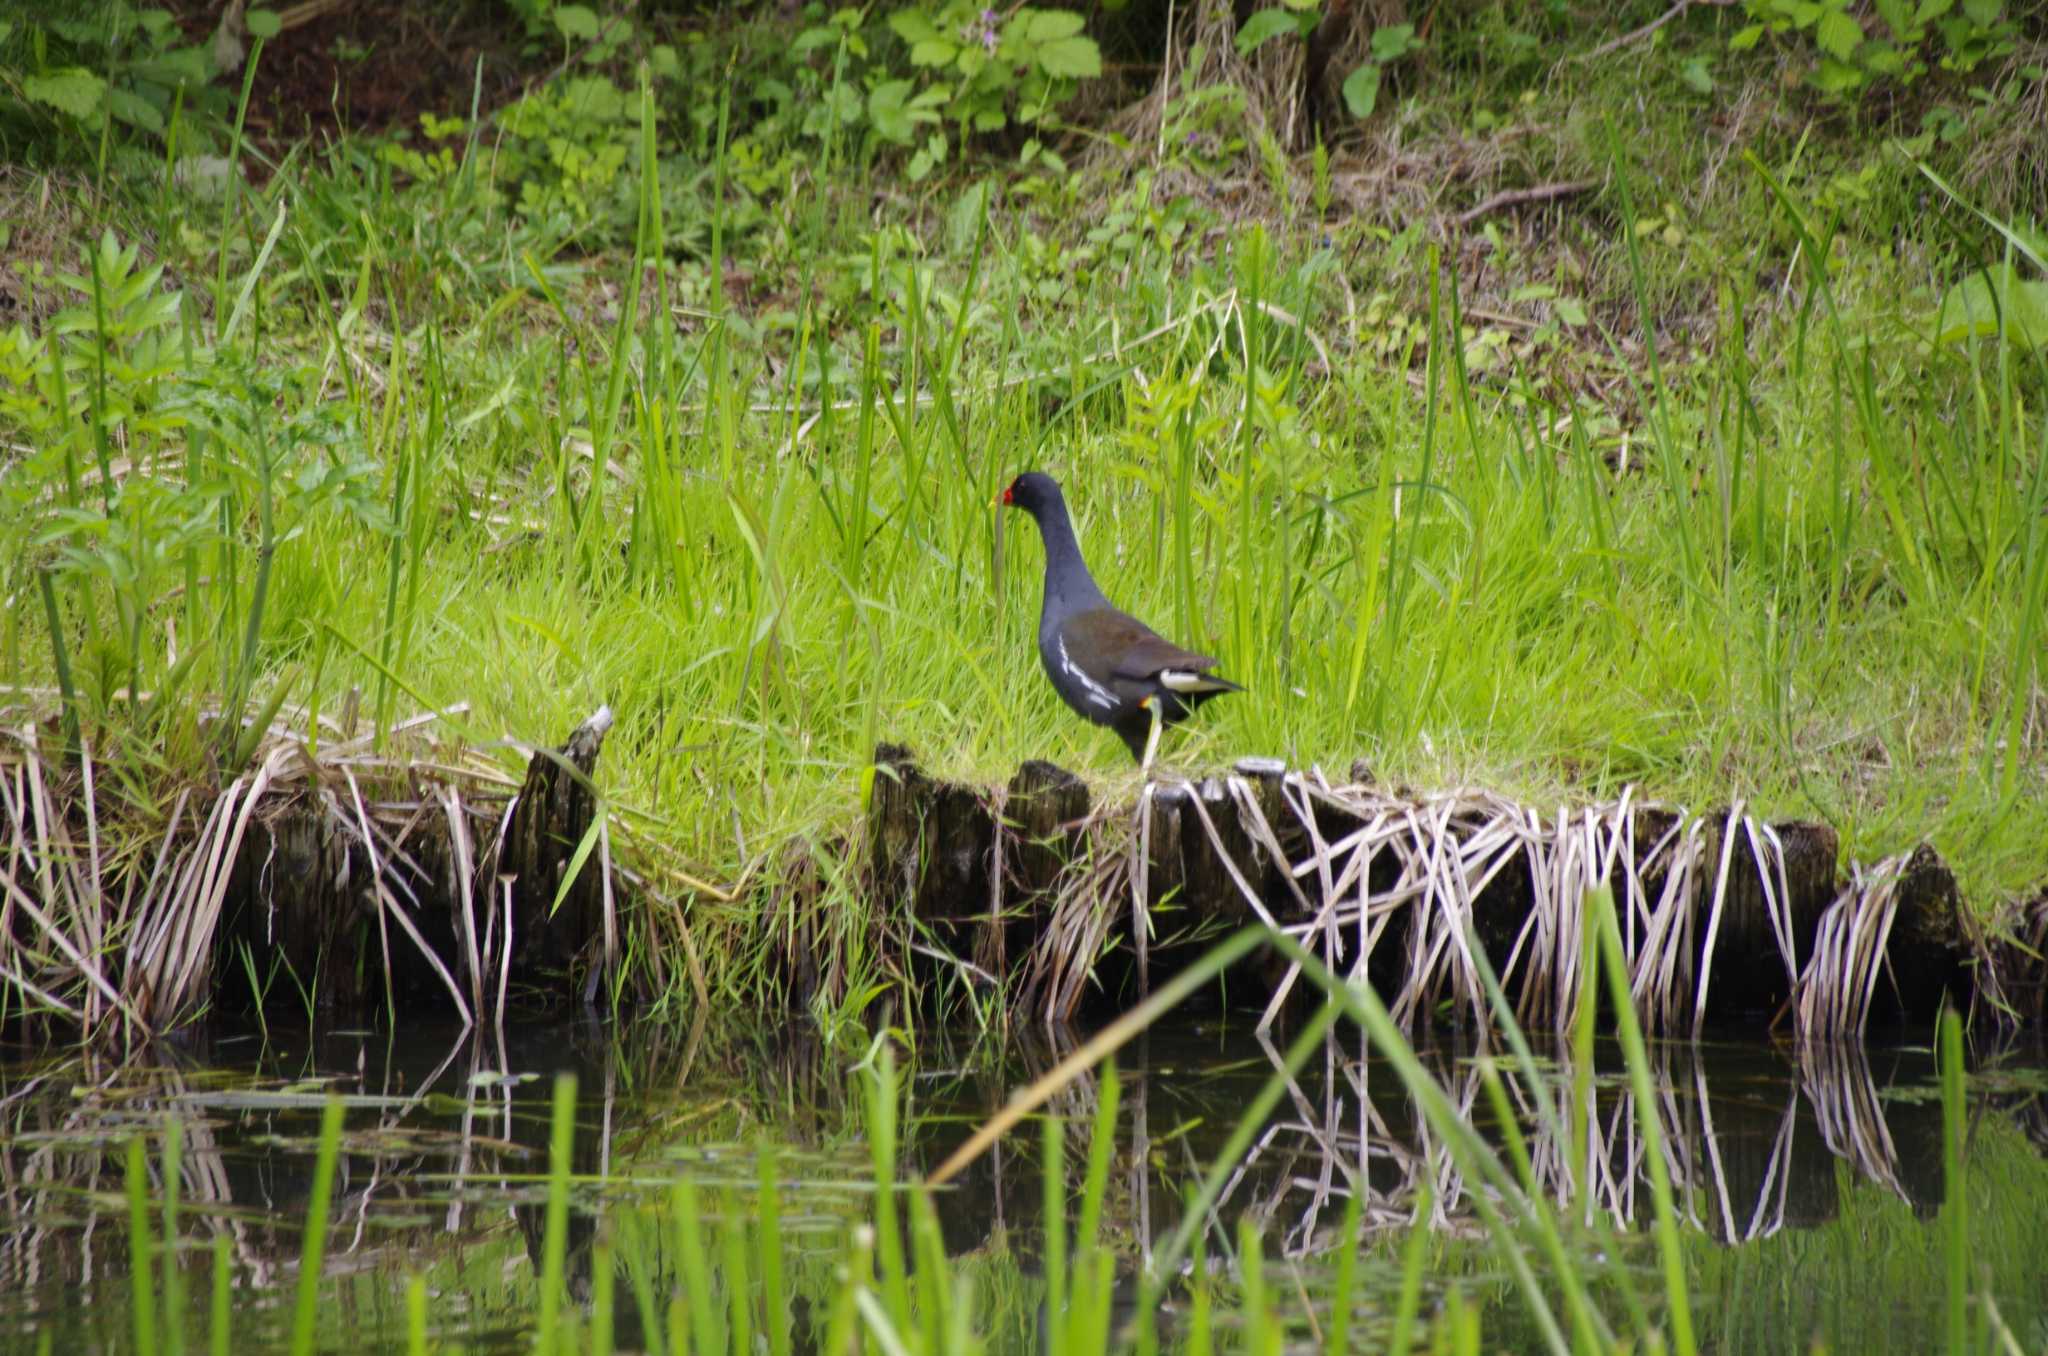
[[1097, 693]]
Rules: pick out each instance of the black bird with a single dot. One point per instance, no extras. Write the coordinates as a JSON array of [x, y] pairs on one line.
[[1110, 667]]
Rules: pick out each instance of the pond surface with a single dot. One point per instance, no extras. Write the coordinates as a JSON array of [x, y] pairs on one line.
[[1811, 1183]]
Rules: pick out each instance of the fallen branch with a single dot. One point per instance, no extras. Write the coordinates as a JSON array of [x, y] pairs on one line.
[[1517, 197]]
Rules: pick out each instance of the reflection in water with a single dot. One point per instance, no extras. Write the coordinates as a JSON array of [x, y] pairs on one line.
[[446, 1137], [1750, 1138]]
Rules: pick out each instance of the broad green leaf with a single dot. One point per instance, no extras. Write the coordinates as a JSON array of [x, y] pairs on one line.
[[1983, 13], [135, 110], [189, 66], [932, 52], [1836, 77], [73, 90], [262, 23], [1995, 301], [1697, 75], [1050, 25], [1392, 42], [1838, 35], [1263, 27], [892, 114], [1745, 38], [913, 26], [576, 22], [1570, 312], [1362, 91], [1071, 59]]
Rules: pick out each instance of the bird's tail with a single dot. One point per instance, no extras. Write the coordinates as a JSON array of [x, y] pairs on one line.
[[1189, 681]]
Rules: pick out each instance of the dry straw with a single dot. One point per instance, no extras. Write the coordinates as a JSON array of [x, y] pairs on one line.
[[1408, 871]]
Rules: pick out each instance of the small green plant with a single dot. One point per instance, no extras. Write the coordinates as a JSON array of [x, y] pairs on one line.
[[980, 71], [1906, 40], [571, 140], [1297, 19], [70, 80]]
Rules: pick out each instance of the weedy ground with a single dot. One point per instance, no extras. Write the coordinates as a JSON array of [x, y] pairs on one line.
[[1699, 477]]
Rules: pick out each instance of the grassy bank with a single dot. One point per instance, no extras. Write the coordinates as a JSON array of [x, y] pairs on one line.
[[1710, 494]]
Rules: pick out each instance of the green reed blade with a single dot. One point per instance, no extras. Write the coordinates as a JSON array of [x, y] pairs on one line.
[[1055, 1223], [555, 1236], [602, 1284], [1337, 1337], [313, 1250], [174, 1279], [769, 1237], [416, 1315], [697, 1289], [220, 1322], [1262, 1333], [739, 1289], [140, 1267], [881, 1108], [1670, 1252], [1408, 1302], [1955, 1188]]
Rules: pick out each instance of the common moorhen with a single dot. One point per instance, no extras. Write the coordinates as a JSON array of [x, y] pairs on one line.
[[1110, 667]]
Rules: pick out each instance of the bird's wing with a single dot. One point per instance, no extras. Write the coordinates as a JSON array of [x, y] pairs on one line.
[[1139, 651]]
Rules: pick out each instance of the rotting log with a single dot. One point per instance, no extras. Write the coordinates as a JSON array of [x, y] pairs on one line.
[[1037, 832], [292, 917], [1770, 911], [929, 843], [360, 890], [1379, 883], [1933, 944], [2013, 981], [548, 834]]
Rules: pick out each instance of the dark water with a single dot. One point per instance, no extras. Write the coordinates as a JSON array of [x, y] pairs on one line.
[[1810, 1183]]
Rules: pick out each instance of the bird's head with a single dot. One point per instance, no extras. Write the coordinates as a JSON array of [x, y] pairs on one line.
[[1034, 492]]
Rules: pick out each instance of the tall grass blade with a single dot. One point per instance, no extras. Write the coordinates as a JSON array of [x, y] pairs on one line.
[[313, 1250], [555, 1234], [141, 1266]]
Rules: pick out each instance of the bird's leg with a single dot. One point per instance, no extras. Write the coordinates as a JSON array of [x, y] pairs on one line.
[[1151, 705]]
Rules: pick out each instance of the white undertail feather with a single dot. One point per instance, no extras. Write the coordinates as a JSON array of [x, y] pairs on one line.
[[1183, 680]]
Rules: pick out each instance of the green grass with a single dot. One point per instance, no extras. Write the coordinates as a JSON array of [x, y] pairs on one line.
[[397, 447]]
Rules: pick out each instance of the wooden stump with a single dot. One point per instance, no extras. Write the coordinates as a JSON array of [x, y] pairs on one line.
[[550, 821], [1043, 809], [1931, 948], [1749, 978]]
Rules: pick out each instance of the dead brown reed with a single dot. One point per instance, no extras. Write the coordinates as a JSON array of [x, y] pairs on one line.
[[112, 912], [1355, 870]]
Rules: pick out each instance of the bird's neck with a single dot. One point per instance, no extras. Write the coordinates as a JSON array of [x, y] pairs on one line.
[[1069, 587]]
